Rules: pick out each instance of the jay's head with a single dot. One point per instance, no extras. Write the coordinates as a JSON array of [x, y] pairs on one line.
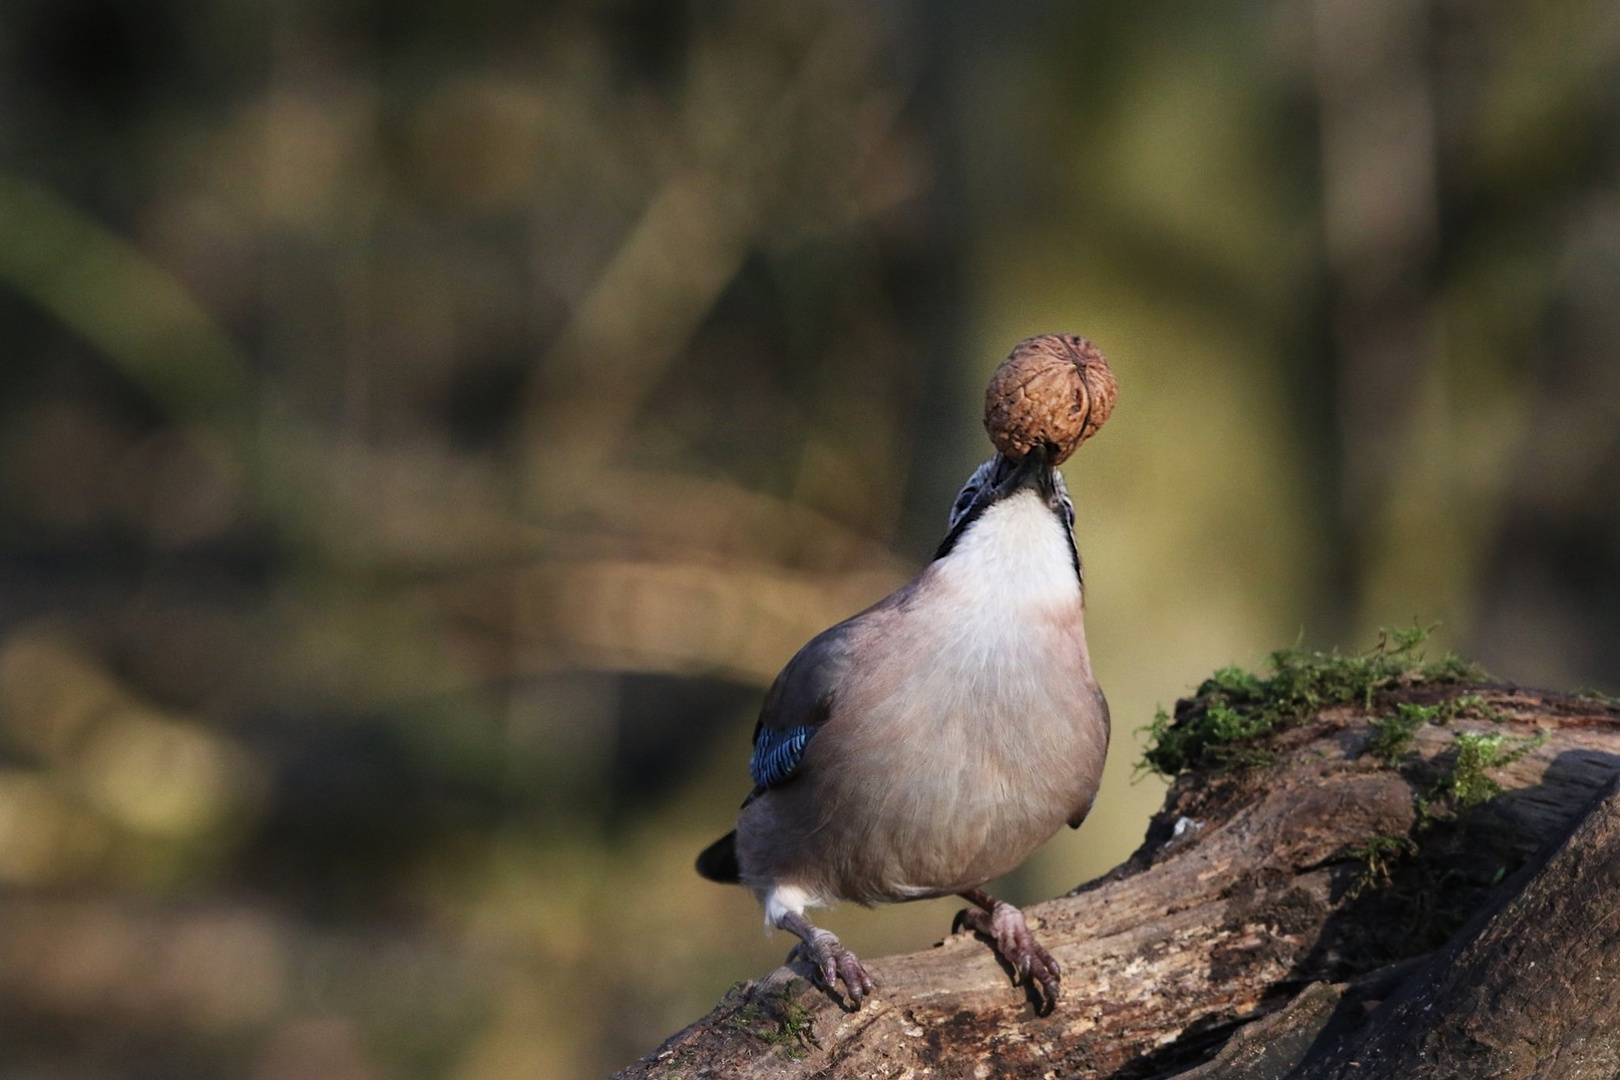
[[1002, 478]]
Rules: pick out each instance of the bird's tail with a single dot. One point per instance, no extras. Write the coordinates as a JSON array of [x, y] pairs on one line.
[[719, 860]]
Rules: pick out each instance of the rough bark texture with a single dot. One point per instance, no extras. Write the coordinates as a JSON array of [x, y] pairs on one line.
[[1533, 990], [1332, 914]]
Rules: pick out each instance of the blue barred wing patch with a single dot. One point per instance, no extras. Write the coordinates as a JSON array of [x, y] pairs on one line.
[[777, 753]]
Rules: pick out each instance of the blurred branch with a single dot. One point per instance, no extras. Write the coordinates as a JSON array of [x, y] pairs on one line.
[[675, 263], [145, 322], [728, 522], [138, 315], [737, 621]]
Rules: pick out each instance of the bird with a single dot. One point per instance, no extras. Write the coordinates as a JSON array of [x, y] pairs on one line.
[[932, 742]]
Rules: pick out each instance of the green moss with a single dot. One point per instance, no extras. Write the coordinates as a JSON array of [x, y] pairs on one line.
[[1466, 784], [796, 1024], [675, 1068], [1394, 735], [779, 1020], [1462, 784], [1220, 724], [1380, 853], [1467, 703]]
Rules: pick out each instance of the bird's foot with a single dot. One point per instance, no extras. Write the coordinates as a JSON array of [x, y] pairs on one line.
[[833, 963], [1031, 963]]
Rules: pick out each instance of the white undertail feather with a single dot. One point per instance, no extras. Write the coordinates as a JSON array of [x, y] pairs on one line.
[[783, 899]]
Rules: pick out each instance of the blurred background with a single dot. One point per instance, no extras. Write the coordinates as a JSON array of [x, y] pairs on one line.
[[426, 428]]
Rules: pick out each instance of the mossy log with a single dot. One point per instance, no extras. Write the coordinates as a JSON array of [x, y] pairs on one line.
[[1344, 903]]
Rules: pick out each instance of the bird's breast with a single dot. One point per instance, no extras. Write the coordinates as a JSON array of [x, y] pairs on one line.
[[971, 744], [967, 730]]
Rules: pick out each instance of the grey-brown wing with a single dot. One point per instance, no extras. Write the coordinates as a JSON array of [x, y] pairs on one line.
[[799, 702]]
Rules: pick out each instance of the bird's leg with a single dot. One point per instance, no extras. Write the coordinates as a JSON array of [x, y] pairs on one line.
[[1005, 925], [832, 961]]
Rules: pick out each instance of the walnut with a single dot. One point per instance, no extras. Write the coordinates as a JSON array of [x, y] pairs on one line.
[[1055, 389]]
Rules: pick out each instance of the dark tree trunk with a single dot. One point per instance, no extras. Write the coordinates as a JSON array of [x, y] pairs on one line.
[[1340, 912]]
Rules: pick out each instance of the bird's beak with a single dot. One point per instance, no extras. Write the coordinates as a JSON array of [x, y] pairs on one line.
[[1035, 471]]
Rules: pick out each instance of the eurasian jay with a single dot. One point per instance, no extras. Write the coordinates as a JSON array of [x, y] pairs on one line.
[[929, 744]]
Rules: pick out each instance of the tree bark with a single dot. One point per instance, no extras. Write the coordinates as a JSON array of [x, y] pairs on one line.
[[1533, 990], [1332, 914]]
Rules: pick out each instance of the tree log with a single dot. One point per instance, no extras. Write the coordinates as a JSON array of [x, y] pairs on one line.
[[1534, 989], [1353, 908]]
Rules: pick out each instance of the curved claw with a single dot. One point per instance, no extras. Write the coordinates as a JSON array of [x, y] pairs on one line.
[[834, 963], [1031, 963]]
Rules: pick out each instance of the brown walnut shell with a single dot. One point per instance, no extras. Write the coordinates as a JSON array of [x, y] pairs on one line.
[[1056, 389]]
